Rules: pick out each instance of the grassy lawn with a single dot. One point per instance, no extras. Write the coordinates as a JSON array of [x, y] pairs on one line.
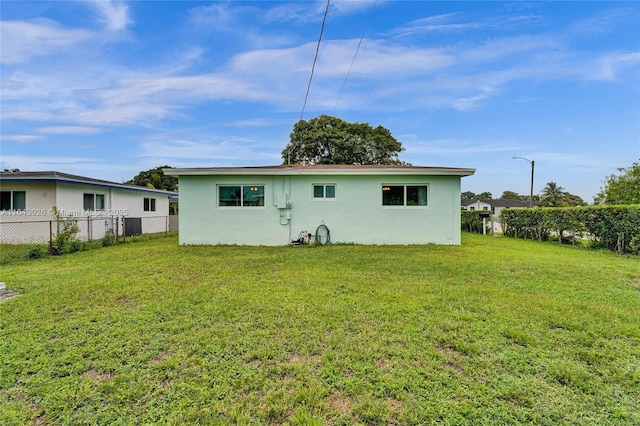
[[496, 331]]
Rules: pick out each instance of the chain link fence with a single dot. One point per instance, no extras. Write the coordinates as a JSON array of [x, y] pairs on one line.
[[17, 237]]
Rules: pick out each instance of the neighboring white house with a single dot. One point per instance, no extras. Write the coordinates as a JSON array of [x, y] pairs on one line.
[[28, 198], [495, 207], [272, 205]]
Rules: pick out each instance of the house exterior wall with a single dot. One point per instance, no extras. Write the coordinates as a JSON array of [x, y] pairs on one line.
[[31, 225], [478, 205], [355, 215], [118, 203], [40, 197]]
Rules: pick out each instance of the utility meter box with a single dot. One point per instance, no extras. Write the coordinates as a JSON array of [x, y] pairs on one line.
[[281, 200]]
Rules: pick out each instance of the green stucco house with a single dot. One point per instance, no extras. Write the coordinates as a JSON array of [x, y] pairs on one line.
[[361, 204]]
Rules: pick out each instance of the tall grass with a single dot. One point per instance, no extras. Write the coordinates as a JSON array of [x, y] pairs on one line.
[[496, 331]]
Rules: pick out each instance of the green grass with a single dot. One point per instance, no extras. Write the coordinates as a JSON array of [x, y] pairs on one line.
[[496, 331]]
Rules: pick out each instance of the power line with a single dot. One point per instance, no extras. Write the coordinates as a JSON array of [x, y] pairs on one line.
[[344, 83], [315, 59]]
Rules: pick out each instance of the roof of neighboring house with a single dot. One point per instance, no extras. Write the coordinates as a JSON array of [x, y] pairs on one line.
[[497, 202], [322, 169], [470, 201], [58, 177]]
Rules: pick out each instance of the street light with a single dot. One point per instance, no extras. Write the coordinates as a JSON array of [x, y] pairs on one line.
[[532, 166]]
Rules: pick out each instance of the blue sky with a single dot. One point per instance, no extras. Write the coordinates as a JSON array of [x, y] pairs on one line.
[[106, 89]]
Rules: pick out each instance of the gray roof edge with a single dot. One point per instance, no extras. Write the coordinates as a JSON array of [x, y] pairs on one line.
[[74, 179]]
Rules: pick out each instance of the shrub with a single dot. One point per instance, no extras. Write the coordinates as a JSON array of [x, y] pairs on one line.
[[108, 239], [471, 221], [616, 228], [67, 239], [36, 251]]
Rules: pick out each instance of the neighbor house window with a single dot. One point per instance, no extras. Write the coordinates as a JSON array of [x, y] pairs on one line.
[[404, 195], [324, 191], [149, 205], [13, 200], [241, 196], [93, 201]]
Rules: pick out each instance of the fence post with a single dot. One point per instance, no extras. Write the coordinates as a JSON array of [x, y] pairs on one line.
[[124, 230], [50, 233]]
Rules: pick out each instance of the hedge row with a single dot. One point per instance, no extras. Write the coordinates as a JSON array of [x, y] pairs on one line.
[[616, 228], [471, 221]]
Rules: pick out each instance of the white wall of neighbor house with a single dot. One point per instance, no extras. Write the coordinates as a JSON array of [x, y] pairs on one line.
[[478, 205], [117, 203], [355, 215], [40, 197], [69, 199]]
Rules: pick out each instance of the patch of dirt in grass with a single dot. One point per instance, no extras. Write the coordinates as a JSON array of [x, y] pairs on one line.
[[340, 405], [385, 364], [452, 360], [166, 384], [312, 362], [299, 359], [98, 376], [254, 363], [395, 404], [40, 420], [126, 301], [635, 282], [160, 358]]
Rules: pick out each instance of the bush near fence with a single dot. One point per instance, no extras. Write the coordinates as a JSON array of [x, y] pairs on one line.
[[616, 228]]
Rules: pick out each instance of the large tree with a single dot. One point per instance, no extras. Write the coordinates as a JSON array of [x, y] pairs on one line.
[[552, 195], [622, 189], [155, 178], [330, 140]]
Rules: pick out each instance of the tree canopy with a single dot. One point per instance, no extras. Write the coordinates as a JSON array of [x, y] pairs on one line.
[[510, 195], [483, 196], [621, 189], [330, 140], [156, 179], [467, 195]]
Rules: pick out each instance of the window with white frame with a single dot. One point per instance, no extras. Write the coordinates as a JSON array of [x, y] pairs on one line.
[[241, 195], [13, 200], [93, 202], [405, 195], [324, 191], [149, 205]]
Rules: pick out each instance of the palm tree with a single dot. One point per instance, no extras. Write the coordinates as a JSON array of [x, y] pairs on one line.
[[553, 195]]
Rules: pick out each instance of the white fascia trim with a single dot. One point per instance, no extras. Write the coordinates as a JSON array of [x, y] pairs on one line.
[[413, 171]]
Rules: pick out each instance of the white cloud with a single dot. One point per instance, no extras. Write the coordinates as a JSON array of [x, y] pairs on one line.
[[386, 75], [22, 40], [20, 138], [114, 14], [68, 130], [601, 23]]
